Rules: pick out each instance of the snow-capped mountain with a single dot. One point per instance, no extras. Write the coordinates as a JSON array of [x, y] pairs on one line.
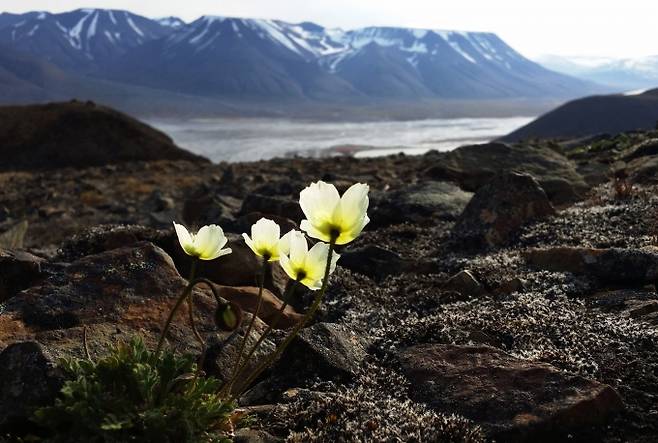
[[629, 73], [171, 22], [253, 58], [234, 56], [79, 39]]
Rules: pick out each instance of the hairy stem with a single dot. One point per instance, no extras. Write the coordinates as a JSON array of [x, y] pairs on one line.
[[179, 302], [309, 314], [286, 296], [261, 283]]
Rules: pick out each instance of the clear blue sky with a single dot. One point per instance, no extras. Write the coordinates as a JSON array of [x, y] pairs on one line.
[[565, 27]]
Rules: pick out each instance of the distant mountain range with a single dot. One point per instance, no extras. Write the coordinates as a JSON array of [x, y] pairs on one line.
[[249, 59], [602, 114], [623, 73]]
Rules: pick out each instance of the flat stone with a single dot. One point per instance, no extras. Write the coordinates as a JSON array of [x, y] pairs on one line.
[[513, 399], [612, 265]]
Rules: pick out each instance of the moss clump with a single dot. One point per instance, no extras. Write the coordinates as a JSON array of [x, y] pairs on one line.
[[133, 394], [373, 408]]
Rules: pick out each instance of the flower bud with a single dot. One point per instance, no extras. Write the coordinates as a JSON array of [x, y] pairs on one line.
[[228, 316]]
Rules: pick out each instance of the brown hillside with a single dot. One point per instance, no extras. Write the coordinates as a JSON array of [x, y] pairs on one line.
[[77, 134]]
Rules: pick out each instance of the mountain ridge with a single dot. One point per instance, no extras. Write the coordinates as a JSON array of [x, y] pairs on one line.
[[242, 58]]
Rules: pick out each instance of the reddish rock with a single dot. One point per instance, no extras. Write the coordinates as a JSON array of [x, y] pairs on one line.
[[116, 295], [513, 399], [247, 298]]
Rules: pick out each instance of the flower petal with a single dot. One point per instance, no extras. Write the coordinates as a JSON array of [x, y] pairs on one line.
[[284, 261], [298, 249], [209, 241], [249, 242], [184, 238], [318, 201], [313, 231], [284, 243]]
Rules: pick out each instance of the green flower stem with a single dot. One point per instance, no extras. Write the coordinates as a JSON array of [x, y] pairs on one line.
[[286, 296], [179, 302], [261, 283], [309, 314]]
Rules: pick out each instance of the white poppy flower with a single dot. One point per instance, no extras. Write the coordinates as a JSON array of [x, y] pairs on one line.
[[307, 266], [265, 240], [328, 215], [206, 244]]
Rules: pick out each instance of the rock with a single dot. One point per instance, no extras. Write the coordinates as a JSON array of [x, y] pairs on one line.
[[514, 400], [247, 298], [107, 237], [271, 205], [254, 436], [30, 380], [418, 203], [499, 209], [115, 294], [18, 270], [614, 265], [327, 350], [206, 207], [465, 283], [14, 237], [473, 166], [374, 261]]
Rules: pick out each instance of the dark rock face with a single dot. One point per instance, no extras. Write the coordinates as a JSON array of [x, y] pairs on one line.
[[418, 203], [499, 208], [78, 135], [614, 265], [29, 380], [328, 350], [107, 237], [473, 166], [270, 205], [206, 207], [375, 262], [513, 399], [18, 271]]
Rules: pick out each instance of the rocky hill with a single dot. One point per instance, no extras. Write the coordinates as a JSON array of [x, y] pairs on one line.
[[601, 114], [500, 292], [77, 134]]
